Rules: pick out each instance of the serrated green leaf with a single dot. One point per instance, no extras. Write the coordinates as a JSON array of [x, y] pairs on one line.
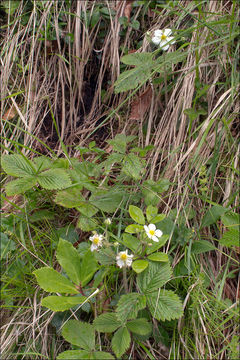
[[88, 267], [129, 305], [17, 165], [86, 224], [230, 238], [137, 59], [70, 260], [136, 214], [139, 265], [102, 355], [50, 280], [202, 246], [121, 341], [74, 355], [158, 256], [151, 212], [231, 220], [107, 322], [106, 256], [164, 305], [133, 229], [133, 166], [132, 242], [19, 186], [130, 79], [70, 198], [107, 201], [139, 326], [155, 276], [213, 215], [158, 218], [80, 334], [62, 303], [42, 163], [119, 143], [157, 245], [54, 179], [87, 209]]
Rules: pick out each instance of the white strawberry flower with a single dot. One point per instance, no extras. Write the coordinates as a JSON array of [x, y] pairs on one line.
[[123, 259], [96, 240], [153, 233], [163, 39]]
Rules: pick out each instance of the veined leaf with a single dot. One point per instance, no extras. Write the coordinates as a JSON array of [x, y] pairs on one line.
[[139, 326], [151, 212], [140, 265], [158, 256], [164, 305], [74, 355], [133, 166], [133, 228], [230, 238], [79, 333], [202, 246], [155, 276], [86, 224], [50, 280], [62, 303], [107, 322], [107, 200], [212, 215], [70, 197], [89, 266], [132, 242], [17, 165], [19, 186], [87, 209], [129, 305], [136, 214], [54, 179], [101, 355], [137, 59], [157, 245], [121, 341], [70, 260]]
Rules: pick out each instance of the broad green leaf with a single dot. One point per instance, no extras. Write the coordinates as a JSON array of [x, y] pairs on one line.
[[50, 280], [121, 341], [106, 256], [62, 303], [164, 305], [101, 355], [151, 212], [139, 265], [119, 143], [155, 276], [70, 197], [158, 256], [133, 166], [79, 333], [41, 215], [19, 186], [70, 260], [202, 246], [158, 218], [87, 209], [107, 322], [213, 215], [136, 214], [89, 266], [157, 245], [42, 163], [129, 305], [74, 355], [139, 326], [230, 238], [137, 59], [86, 224], [133, 228], [107, 201], [231, 220], [151, 189], [132, 242], [17, 165], [54, 179]]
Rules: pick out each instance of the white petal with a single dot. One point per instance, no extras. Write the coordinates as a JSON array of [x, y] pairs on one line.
[[164, 46], [91, 238], [154, 238], [129, 262], [156, 40], [158, 233], [93, 247], [120, 263], [158, 33], [146, 228], [170, 39], [167, 32], [152, 227]]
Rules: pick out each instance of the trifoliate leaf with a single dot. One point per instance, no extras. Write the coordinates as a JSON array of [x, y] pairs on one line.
[[129, 305], [79, 333], [155, 276], [164, 305], [107, 322]]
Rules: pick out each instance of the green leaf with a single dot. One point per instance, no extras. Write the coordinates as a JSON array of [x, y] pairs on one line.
[[151, 212], [130, 79], [139, 326], [202, 246], [151, 189], [41, 215], [79, 333], [136, 214], [70, 260], [86, 224], [54, 179], [137, 59], [164, 305], [19, 186], [107, 201], [157, 245], [134, 228], [70, 198], [42, 163], [231, 220], [158, 256], [132, 242], [230, 238], [106, 256], [50, 280], [62, 303], [119, 143], [155, 276], [102, 355], [6, 245], [158, 218], [121, 341], [74, 355], [88, 267], [139, 265], [17, 165], [129, 305], [107, 322], [133, 166], [213, 215], [87, 209]]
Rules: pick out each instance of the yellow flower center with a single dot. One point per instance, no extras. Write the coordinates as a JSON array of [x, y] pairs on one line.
[[123, 257], [96, 240], [163, 37], [151, 232]]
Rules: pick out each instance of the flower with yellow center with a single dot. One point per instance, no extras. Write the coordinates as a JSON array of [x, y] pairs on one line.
[[153, 233], [163, 39], [123, 259], [96, 240]]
